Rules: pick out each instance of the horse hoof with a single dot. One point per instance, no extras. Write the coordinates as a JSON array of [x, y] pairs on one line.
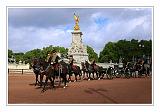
[[64, 87], [99, 78], [89, 79], [43, 91], [74, 80]]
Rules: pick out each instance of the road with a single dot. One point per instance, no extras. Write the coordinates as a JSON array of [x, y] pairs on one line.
[[21, 90]]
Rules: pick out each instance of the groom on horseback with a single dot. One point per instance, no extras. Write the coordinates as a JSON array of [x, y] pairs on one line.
[[52, 58], [93, 64], [71, 60], [73, 69]]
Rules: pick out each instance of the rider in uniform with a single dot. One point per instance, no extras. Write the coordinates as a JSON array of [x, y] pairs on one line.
[[52, 58], [49, 56], [93, 63], [86, 65], [71, 59]]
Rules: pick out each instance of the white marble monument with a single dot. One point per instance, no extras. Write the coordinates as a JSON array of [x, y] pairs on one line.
[[78, 50]]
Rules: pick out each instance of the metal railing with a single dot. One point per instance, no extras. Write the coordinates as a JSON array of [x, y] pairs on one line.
[[20, 71]]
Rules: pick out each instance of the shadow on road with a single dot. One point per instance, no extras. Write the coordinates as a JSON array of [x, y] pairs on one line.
[[101, 92], [33, 84]]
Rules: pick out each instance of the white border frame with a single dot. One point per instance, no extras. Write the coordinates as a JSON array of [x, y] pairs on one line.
[[3, 64], [28, 7]]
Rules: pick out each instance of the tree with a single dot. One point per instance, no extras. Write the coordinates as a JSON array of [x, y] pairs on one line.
[[10, 53], [19, 56], [92, 54], [108, 53], [36, 53], [40, 53], [47, 50], [126, 50]]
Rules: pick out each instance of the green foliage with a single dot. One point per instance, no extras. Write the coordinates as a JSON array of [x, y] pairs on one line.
[[18, 56], [109, 53], [36, 53], [47, 50], [112, 51], [92, 54], [126, 50], [10, 53]]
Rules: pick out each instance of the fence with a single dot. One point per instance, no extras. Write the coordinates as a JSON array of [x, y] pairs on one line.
[[20, 71]]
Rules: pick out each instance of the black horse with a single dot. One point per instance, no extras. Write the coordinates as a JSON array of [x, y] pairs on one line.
[[37, 68], [147, 68], [74, 69], [102, 72], [139, 69], [61, 70], [56, 70], [84, 70], [110, 72], [127, 72], [93, 69]]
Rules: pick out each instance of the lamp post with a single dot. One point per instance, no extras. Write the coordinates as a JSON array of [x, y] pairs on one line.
[[133, 59], [141, 46]]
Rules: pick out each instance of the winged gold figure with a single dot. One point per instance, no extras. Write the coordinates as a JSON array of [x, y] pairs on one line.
[[76, 18]]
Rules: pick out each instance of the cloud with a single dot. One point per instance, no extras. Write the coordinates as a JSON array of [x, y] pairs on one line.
[[28, 38], [99, 35], [31, 28]]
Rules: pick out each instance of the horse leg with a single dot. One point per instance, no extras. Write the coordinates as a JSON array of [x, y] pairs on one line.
[[45, 84], [98, 76], [36, 79], [93, 74], [65, 80], [89, 76], [139, 74], [41, 79], [85, 74], [60, 79], [75, 77], [80, 75], [52, 81], [69, 78], [147, 72]]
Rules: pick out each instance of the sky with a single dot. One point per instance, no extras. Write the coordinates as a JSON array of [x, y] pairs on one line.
[[32, 28]]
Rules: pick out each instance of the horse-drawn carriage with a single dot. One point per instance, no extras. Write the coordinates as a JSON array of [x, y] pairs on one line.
[[62, 70]]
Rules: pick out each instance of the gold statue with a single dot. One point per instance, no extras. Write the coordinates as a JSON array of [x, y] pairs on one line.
[[76, 18]]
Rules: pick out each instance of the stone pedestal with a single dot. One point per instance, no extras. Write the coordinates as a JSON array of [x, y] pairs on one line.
[[77, 49]]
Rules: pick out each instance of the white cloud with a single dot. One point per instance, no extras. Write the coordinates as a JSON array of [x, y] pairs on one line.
[[27, 38], [98, 36], [99, 26]]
